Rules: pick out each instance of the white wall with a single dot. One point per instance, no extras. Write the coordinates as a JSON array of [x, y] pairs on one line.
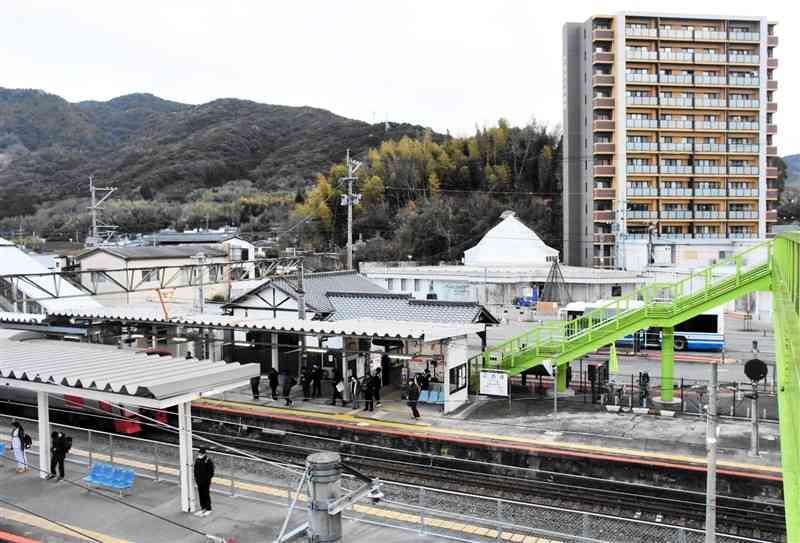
[[455, 354]]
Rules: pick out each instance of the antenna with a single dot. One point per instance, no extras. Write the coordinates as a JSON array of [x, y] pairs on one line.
[[100, 233], [386, 122]]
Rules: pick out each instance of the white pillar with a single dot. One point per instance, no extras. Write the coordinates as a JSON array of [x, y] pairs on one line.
[[274, 344], [185, 453], [43, 406]]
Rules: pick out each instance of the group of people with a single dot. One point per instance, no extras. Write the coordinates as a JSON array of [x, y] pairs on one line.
[[60, 445]]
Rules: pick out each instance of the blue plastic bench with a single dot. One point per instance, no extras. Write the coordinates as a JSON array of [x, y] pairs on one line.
[[424, 396], [2, 448], [434, 397], [106, 476]]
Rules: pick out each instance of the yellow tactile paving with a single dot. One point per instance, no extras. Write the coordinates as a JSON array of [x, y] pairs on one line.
[[30, 520], [430, 430]]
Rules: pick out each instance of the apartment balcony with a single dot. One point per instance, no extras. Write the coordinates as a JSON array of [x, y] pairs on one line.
[[650, 169], [641, 123], [709, 58], [676, 214], [676, 124], [603, 124], [636, 215], [772, 171], [641, 146], [747, 148], [710, 80], [744, 59], [604, 216], [603, 238], [603, 102], [709, 193], [772, 150], [772, 41], [709, 170], [743, 235], [604, 147], [602, 34], [743, 215], [772, 129], [675, 79], [748, 126], [709, 102], [744, 36], [604, 170], [772, 214], [641, 78], [772, 63], [664, 56], [675, 237], [709, 215], [676, 170], [632, 32], [709, 148], [675, 147], [743, 170], [743, 104], [743, 193], [603, 193], [640, 54], [708, 235], [675, 102], [772, 84], [743, 81], [602, 56], [641, 192], [682, 192], [772, 107], [709, 35], [602, 80], [670, 34], [641, 100], [603, 261], [772, 194]]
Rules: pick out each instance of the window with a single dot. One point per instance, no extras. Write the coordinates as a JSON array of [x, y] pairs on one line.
[[390, 284], [458, 378], [150, 274], [99, 277], [403, 285], [417, 285]]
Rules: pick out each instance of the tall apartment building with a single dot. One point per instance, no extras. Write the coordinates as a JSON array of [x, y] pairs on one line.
[[669, 136]]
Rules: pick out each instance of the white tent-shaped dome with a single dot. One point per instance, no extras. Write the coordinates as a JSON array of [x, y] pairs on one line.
[[510, 243]]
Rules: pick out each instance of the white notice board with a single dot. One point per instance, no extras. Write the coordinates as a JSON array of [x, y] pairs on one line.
[[494, 383]]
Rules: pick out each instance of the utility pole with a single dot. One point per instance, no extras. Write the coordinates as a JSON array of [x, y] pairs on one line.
[[349, 199], [200, 297], [301, 314], [95, 206], [711, 443]]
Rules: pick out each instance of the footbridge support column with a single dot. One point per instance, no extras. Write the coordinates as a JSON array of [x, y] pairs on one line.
[[561, 379], [667, 362]]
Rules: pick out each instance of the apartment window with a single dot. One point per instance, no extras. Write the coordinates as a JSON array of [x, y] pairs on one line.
[[390, 284], [417, 285], [458, 378], [150, 274], [403, 285]]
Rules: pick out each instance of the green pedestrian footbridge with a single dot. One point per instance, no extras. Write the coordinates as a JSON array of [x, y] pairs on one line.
[[773, 265]]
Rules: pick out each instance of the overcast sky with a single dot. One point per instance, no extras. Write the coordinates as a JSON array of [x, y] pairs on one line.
[[444, 64]]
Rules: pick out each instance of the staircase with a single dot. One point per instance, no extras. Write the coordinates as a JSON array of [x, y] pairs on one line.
[[655, 305]]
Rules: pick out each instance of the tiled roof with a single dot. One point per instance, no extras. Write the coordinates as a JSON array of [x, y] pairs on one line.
[[163, 251], [353, 305]]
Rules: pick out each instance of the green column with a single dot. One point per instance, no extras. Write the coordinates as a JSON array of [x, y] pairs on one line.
[[561, 378], [667, 362]]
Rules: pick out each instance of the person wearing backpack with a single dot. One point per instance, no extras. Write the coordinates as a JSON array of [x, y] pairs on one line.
[[60, 446], [19, 442]]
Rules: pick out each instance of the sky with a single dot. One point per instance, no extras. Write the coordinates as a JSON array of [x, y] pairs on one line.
[[446, 64]]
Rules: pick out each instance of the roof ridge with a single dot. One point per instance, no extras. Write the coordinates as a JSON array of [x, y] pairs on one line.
[[368, 294], [451, 303]]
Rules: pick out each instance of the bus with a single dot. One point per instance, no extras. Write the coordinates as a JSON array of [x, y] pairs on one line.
[[704, 332]]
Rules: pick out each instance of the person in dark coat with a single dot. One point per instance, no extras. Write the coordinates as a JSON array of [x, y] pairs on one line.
[[413, 397], [203, 474], [355, 390], [377, 383], [316, 381], [272, 377], [59, 447], [368, 388], [288, 383], [305, 382], [338, 382], [255, 385], [425, 380]]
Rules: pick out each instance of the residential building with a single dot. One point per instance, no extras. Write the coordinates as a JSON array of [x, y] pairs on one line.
[[669, 138]]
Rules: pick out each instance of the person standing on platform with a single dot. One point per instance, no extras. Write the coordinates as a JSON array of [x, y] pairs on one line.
[[413, 397], [425, 380], [60, 446], [272, 377], [305, 382], [203, 474], [316, 381], [368, 387], [18, 445], [377, 383], [255, 385], [338, 387], [288, 383], [355, 390]]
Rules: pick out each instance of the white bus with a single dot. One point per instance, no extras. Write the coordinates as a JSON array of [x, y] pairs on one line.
[[704, 332]]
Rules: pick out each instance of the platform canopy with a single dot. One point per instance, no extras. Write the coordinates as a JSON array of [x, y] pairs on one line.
[[510, 244], [104, 373]]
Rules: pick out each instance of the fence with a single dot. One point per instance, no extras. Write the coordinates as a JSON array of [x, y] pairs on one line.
[[448, 514]]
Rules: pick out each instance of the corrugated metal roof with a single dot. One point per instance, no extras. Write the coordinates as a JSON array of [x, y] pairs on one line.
[[162, 251], [106, 369], [14, 261], [401, 307]]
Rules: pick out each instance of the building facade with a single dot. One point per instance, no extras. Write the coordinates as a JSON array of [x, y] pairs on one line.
[[669, 138]]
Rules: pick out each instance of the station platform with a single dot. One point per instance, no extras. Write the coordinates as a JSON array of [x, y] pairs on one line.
[[672, 441]]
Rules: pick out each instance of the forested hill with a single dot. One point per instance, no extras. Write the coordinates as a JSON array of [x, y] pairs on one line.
[[157, 149]]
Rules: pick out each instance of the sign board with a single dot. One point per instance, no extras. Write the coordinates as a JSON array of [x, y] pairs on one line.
[[494, 383]]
